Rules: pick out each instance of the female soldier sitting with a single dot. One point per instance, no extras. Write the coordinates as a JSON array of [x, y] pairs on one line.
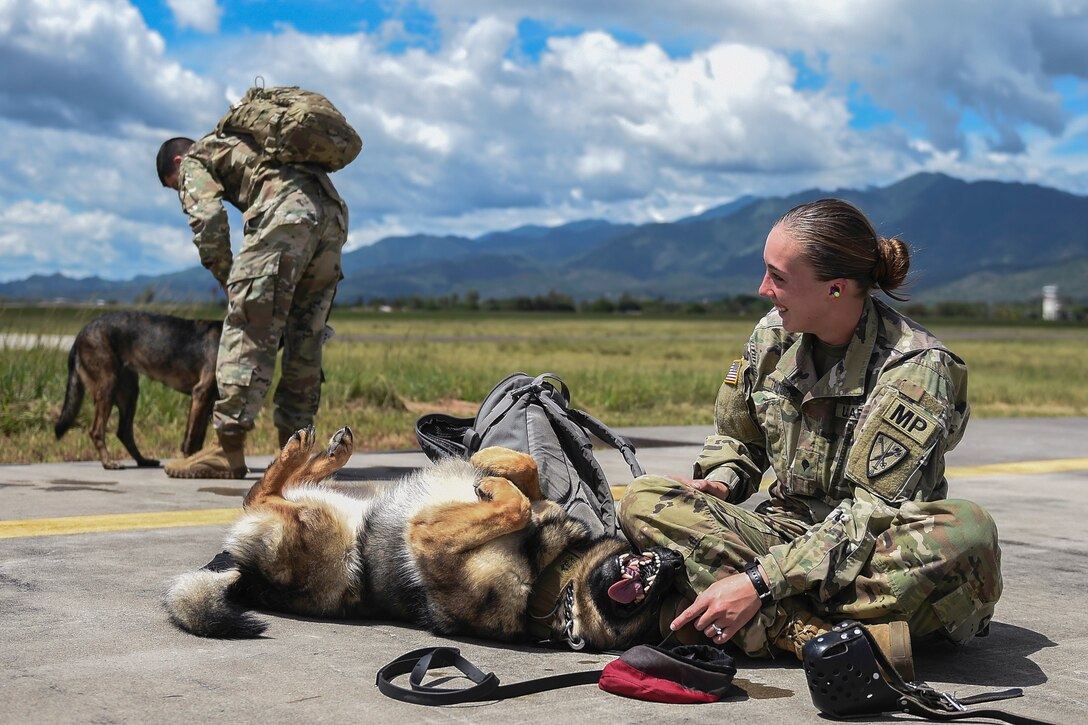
[[854, 407]]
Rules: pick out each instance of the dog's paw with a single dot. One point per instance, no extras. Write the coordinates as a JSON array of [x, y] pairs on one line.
[[519, 468], [341, 445], [113, 465], [299, 444]]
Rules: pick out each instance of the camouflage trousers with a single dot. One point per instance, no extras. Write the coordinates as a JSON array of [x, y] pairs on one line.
[[281, 285], [935, 565]]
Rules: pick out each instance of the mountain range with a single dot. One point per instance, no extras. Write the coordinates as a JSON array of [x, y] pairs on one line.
[[983, 241]]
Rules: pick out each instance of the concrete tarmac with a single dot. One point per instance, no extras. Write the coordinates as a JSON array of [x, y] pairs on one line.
[[86, 553]]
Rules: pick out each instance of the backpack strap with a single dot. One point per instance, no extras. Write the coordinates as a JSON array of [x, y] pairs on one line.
[[540, 380], [485, 686], [606, 434]]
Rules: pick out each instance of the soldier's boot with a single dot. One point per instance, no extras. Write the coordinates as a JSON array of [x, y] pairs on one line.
[[671, 608], [795, 625], [225, 459], [284, 436]]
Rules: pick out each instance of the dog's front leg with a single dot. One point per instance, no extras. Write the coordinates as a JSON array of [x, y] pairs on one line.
[[456, 527], [518, 467]]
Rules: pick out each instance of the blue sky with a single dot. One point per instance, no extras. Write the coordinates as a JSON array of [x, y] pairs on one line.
[[480, 115]]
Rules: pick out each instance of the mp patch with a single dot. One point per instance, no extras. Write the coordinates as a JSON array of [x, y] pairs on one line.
[[912, 419], [884, 454], [733, 376]]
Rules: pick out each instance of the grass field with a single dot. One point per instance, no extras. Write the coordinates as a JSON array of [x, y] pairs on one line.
[[384, 370]]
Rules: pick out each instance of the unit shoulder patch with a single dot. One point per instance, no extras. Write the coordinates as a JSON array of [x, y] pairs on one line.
[[885, 453]]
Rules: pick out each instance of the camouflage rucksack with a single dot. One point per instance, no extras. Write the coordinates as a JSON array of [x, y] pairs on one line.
[[294, 126]]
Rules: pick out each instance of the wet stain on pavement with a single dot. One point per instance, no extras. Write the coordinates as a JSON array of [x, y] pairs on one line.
[[75, 482], [225, 491], [16, 583], [67, 484], [759, 691]]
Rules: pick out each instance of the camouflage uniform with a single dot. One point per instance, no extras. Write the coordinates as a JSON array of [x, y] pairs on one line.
[[857, 525], [282, 282]]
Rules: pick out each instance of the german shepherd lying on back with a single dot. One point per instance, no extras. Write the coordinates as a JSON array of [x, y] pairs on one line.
[[111, 352], [459, 547]]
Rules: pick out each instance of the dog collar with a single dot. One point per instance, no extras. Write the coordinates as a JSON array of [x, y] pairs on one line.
[[553, 585]]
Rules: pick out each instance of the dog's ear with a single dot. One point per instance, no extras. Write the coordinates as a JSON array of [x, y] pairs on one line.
[[203, 603]]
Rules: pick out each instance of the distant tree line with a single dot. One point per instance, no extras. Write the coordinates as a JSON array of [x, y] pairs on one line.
[[743, 305]]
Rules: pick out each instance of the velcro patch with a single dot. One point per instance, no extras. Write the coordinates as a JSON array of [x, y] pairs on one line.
[[912, 419], [884, 454], [733, 376]]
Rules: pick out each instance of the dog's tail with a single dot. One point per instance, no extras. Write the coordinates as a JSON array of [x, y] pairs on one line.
[[73, 396], [201, 602]]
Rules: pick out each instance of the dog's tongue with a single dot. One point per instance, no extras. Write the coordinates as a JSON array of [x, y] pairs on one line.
[[625, 590]]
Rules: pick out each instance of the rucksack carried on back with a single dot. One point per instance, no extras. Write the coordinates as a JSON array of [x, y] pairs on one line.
[[294, 126], [534, 416]]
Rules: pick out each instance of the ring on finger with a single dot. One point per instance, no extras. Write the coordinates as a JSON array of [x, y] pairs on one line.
[[717, 630]]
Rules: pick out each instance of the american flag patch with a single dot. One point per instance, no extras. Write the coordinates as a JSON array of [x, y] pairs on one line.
[[733, 376]]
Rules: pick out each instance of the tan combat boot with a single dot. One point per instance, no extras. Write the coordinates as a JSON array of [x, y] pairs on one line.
[[795, 626], [226, 459], [670, 610]]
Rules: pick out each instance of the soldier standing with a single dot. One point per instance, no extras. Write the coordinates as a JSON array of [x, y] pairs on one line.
[[281, 284], [854, 407]]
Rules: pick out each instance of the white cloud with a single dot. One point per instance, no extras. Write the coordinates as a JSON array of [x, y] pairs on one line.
[[930, 60], [202, 15], [48, 236], [467, 135], [90, 65], [465, 128]]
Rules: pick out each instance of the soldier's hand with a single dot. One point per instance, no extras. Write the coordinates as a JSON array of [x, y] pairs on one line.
[[714, 488], [724, 607]]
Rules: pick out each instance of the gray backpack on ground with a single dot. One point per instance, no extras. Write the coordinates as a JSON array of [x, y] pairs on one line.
[[533, 415]]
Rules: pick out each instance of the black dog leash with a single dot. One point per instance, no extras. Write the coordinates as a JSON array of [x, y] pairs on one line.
[[688, 673], [486, 685]]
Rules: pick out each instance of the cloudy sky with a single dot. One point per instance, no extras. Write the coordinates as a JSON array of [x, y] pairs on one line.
[[480, 115]]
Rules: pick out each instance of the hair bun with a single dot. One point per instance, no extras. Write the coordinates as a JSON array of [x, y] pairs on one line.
[[892, 263]]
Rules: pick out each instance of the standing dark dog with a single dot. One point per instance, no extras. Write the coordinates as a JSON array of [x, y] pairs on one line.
[[458, 547], [111, 352]]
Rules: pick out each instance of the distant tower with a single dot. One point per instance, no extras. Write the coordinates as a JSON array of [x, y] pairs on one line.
[[1052, 308]]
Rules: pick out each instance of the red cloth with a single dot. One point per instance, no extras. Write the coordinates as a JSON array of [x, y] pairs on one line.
[[684, 674]]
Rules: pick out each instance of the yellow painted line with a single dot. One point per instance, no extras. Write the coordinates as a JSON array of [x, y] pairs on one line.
[[1055, 465], [98, 524], [67, 525]]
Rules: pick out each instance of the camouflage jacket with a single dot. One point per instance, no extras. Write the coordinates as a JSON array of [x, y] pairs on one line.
[[234, 168], [867, 436]]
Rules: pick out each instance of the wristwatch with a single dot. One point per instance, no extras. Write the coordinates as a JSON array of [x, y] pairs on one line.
[[764, 591]]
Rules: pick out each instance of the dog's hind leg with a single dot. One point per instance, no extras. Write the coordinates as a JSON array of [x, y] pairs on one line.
[[323, 464], [101, 389], [126, 394], [456, 527], [281, 471], [200, 412], [519, 468]]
